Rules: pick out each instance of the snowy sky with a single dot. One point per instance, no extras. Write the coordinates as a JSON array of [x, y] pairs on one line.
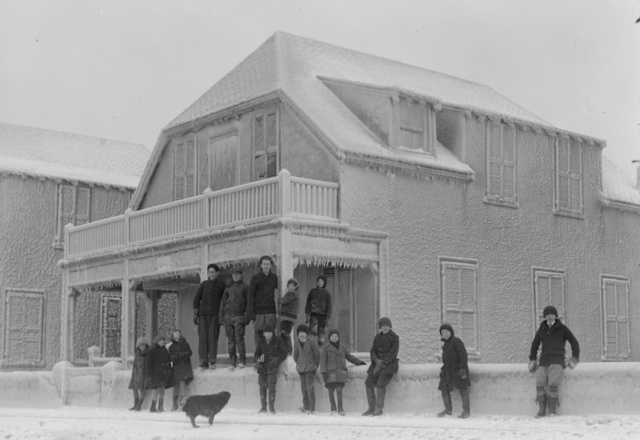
[[122, 69]]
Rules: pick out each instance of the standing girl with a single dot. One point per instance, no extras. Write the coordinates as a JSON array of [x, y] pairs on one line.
[[138, 372], [159, 372], [180, 354]]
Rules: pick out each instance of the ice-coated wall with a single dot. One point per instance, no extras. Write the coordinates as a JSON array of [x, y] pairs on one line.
[[430, 219], [29, 263]]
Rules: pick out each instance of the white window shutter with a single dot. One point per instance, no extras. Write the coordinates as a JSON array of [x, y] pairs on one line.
[[179, 171]]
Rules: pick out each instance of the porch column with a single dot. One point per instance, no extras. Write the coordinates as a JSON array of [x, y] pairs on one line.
[[152, 315], [66, 330], [128, 321], [285, 259], [383, 307]]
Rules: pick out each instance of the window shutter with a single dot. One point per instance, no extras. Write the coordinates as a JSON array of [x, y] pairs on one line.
[[459, 291], [24, 328], [616, 317], [495, 159], [549, 290], [622, 299], [179, 171], [111, 326], [203, 175], [610, 336], [575, 175], [265, 146], [563, 174], [509, 163], [259, 153], [190, 168], [83, 206], [272, 144], [468, 307], [556, 293]]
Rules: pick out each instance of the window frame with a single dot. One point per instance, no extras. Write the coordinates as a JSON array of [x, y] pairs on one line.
[[503, 163], [617, 281], [184, 143], [572, 178], [39, 294], [58, 242], [268, 149], [472, 346], [428, 129], [538, 307]]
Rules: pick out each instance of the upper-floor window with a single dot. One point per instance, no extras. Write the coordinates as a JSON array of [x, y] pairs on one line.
[[184, 169], [568, 196], [459, 296], [266, 141], [615, 318], [416, 126], [74, 206], [218, 169], [548, 290], [501, 186]]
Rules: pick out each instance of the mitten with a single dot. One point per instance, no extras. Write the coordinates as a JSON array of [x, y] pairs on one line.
[[533, 366], [462, 374], [573, 362]]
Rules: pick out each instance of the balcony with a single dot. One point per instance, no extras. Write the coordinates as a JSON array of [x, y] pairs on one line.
[[256, 202]]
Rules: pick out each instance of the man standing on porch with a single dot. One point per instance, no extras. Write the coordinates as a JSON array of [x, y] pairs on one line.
[[206, 308], [261, 307]]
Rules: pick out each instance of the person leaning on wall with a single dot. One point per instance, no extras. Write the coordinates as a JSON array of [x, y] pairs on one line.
[[454, 372], [206, 308], [384, 364]]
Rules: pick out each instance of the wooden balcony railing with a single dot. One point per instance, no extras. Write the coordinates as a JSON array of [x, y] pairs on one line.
[[281, 196]]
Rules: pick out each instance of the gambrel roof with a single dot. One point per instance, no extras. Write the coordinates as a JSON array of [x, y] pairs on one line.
[[51, 154]]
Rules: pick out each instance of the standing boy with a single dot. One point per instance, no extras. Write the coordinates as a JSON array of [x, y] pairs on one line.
[[306, 354], [289, 305], [384, 364], [552, 335], [318, 307], [233, 308], [206, 308], [270, 352], [261, 306], [454, 372]]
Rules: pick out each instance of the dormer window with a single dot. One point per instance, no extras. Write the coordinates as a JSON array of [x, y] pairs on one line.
[[416, 126]]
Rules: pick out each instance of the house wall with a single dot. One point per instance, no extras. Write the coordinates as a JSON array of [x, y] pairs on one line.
[[29, 260], [430, 219]]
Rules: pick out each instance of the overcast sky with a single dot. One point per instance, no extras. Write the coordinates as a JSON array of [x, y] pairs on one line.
[[122, 69]]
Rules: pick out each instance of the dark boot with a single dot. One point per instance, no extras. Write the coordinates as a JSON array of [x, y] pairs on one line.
[[553, 403], [263, 400], [160, 408], [466, 406], [153, 406], [139, 407], [448, 408], [272, 402], [332, 401], [175, 403], [371, 400], [135, 404], [542, 401], [340, 409], [380, 393]]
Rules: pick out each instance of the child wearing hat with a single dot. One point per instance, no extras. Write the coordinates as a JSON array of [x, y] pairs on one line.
[[318, 307], [384, 364], [454, 372], [306, 354], [333, 367], [180, 354], [233, 308], [289, 305], [159, 372], [269, 353], [138, 372]]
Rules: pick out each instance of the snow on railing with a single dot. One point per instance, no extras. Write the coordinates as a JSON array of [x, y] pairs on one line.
[[281, 196]]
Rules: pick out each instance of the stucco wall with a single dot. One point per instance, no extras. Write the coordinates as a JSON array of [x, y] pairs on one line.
[[431, 219], [28, 259]]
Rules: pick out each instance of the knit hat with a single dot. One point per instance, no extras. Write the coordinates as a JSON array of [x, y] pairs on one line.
[[323, 278], [549, 309], [268, 328], [302, 328], [384, 321], [237, 269], [214, 267], [446, 326], [159, 338], [294, 282], [333, 331], [142, 341]]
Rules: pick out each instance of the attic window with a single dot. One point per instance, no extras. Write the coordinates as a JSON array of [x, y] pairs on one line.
[[416, 126], [568, 196]]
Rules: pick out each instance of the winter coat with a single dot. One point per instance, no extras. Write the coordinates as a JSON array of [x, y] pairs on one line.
[[180, 354], [159, 368], [138, 370], [234, 300], [454, 363], [207, 300], [261, 294], [289, 306], [385, 347], [553, 344], [307, 355], [274, 352], [318, 302], [333, 362]]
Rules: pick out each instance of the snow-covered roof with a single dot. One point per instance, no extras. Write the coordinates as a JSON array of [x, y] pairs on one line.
[[618, 186], [52, 154]]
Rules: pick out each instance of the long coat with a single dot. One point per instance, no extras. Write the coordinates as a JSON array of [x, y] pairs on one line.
[[138, 370], [159, 368], [180, 354], [385, 347], [454, 359], [274, 352], [333, 362], [307, 356]]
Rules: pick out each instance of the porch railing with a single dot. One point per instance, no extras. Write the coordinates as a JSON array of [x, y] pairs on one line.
[[280, 196]]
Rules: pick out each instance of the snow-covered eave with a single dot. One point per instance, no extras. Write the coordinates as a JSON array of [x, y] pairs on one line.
[[609, 202], [170, 132], [480, 113], [69, 178]]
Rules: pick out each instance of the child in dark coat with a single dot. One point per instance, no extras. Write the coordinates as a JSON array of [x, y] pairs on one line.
[[333, 367], [289, 305], [180, 354], [318, 308], [233, 309], [307, 356], [269, 353], [454, 372], [159, 373], [138, 373]]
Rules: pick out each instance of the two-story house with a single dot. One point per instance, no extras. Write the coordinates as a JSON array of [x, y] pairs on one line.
[[423, 197], [50, 179]]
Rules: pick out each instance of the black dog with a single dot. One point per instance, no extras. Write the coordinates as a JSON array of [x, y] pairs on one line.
[[206, 406]]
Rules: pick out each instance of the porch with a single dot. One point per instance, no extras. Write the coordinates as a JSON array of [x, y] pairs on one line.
[[141, 257]]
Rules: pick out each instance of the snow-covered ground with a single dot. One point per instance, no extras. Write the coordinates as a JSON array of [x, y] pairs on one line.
[[72, 423]]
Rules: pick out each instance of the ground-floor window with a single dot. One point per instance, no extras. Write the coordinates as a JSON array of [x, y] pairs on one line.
[[24, 328], [615, 318]]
